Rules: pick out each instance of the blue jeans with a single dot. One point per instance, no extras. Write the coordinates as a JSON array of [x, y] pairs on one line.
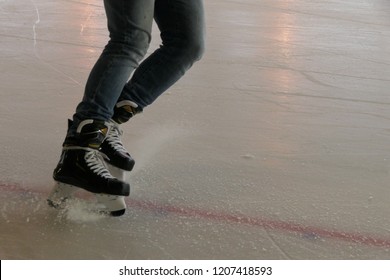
[[181, 25]]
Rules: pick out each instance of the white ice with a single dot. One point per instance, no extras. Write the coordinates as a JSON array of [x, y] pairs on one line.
[[275, 146]]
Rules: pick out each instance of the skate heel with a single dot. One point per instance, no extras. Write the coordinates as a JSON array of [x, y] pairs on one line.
[[113, 204], [60, 193]]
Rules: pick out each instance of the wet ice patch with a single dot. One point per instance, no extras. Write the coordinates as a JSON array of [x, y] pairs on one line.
[[248, 156]]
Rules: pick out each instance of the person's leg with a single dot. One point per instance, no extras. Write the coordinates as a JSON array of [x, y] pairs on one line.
[[182, 27], [129, 24], [181, 23], [81, 164]]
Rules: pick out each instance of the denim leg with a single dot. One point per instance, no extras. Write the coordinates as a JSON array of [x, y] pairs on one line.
[[182, 27], [129, 24]]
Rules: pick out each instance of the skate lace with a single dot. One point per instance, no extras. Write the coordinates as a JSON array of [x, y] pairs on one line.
[[113, 138], [95, 162]]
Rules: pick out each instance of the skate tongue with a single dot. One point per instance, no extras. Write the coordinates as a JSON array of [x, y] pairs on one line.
[[91, 133], [124, 110]]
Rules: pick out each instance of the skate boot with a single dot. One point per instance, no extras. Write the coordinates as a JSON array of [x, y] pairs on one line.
[[118, 158], [81, 166]]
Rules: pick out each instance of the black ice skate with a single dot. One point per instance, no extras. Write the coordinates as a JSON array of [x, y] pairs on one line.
[[113, 149], [118, 158], [81, 166]]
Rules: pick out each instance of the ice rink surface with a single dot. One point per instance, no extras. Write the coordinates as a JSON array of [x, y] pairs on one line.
[[275, 146]]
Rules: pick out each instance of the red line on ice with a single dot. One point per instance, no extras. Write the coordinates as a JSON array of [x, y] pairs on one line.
[[241, 220], [264, 223]]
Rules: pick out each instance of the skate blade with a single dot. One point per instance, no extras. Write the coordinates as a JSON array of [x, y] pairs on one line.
[[60, 193], [111, 204], [106, 204]]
